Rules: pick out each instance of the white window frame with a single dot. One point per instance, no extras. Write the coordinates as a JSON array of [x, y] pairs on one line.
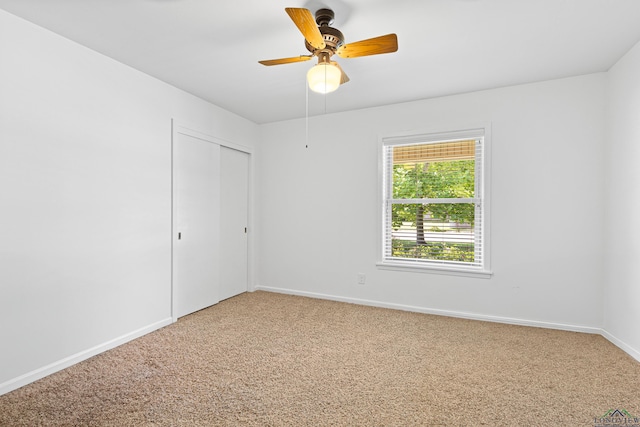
[[482, 196]]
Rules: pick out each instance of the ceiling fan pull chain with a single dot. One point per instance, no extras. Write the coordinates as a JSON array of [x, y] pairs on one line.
[[306, 123]]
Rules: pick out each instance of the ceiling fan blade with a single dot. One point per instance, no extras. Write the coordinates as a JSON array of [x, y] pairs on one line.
[[343, 76], [374, 46], [307, 25], [281, 61]]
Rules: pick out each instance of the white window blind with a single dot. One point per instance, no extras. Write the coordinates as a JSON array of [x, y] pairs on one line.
[[433, 201]]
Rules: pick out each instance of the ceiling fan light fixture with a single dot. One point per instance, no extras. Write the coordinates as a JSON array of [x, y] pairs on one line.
[[324, 77]]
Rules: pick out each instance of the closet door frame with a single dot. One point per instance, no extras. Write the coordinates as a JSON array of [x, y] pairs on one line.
[[180, 127]]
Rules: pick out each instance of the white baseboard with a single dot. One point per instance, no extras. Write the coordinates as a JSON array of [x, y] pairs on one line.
[[449, 313], [39, 373], [622, 345]]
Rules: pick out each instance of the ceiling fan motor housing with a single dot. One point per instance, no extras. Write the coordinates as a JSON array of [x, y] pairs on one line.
[[333, 38]]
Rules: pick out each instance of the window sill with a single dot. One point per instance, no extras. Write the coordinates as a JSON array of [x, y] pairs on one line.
[[447, 270]]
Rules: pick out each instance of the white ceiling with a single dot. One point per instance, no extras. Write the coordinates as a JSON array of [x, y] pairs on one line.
[[211, 48]]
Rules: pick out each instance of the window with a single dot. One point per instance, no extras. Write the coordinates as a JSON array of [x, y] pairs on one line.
[[435, 210]]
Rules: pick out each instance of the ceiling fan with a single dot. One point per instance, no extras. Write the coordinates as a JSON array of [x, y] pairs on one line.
[[324, 41]]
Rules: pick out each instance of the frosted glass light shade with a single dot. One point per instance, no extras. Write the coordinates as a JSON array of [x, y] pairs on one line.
[[324, 78]]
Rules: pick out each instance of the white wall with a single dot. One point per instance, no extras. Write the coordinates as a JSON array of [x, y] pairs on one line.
[[317, 206], [85, 202], [622, 280], [85, 198]]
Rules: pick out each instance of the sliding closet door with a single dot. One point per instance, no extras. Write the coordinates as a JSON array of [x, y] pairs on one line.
[[196, 174], [234, 202]]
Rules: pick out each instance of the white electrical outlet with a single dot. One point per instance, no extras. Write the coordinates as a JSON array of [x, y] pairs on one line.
[[361, 279]]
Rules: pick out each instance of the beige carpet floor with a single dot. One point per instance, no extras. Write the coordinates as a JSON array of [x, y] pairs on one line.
[[264, 359]]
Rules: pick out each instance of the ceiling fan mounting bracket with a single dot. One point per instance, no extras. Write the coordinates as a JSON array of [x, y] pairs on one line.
[[324, 17]]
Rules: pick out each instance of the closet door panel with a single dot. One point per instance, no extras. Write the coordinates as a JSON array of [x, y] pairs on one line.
[[234, 204], [196, 195]]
